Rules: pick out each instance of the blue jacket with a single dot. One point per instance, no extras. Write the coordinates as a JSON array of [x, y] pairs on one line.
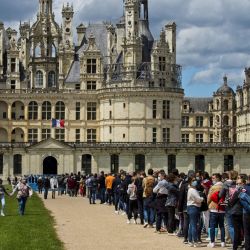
[[247, 188]]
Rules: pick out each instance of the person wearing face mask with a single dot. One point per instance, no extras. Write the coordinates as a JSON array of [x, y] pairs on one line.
[[161, 190], [217, 210], [193, 209]]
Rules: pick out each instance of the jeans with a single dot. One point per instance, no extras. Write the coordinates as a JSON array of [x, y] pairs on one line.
[[149, 215], [238, 224], [46, 193], [53, 193], [246, 223], [21, 204], [194, 217], [230, 225], [109, 193], [102, 195], [40, 190], [140, 210], [217, 219], [71, 192], [171, 226], [92, 196]]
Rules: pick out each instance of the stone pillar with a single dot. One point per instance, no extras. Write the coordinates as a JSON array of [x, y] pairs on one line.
[[9, 112], [26, 112]]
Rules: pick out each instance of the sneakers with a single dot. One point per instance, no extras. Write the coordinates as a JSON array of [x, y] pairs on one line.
[[128, 222], [211, 245], [123, 213], [190, 244], [223, 244], [145, 225], [2, 213], [185, 242], [135, 222], [116, 212], [196, 244]]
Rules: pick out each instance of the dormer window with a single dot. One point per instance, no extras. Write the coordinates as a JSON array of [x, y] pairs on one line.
[[91, 66]]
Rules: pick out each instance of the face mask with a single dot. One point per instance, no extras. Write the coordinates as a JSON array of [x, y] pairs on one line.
[[159, 178], [214, 182], [197, 178], [194, 183]]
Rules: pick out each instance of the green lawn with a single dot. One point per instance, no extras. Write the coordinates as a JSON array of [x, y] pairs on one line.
[[33, 231]]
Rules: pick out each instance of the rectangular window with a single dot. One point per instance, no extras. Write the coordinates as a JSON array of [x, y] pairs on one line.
[[185, 138], [78, 111], [162, 83], [166, 109], [78, 86], [46, 134], [166, 134], [60, 134], [199, 121], [13, 84], [91, 66], [211, 138], [4, 115], [199, 138], [154, 135], [33, 135], [185, 121], [13, 65], [91, 111], [78, 135], [211, 121], [91, 85], [110, 114], [154, 109], [91, 135], [162, 63], [110, 129]]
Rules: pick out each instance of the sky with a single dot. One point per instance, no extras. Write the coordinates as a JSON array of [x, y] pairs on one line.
[[212, 39]]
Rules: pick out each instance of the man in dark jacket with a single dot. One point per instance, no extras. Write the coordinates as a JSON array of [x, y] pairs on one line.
[[101, 187], [246, 218], [46, 185]]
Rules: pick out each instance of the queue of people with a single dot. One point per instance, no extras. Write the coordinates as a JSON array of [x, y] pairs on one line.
[[188, 206]]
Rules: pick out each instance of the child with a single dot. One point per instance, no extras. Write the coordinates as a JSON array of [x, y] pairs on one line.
[[2, 198]]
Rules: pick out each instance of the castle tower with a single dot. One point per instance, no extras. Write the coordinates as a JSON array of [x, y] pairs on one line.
[[24, 29], [170, 31], [45, 7], [67, 15]]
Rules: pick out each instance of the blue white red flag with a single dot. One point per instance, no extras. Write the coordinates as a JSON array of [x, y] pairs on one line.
[[57, 123]]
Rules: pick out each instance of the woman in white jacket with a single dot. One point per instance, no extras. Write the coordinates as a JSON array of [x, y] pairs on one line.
[[193, 209], [53, 186]]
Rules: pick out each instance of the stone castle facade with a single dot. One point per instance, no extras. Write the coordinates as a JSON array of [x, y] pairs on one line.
[[119, 93]]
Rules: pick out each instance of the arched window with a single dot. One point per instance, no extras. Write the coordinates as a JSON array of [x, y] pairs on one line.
[[217, 104], [217, 119], [33, 111], [86, 164], [51, 79], [3, 135], [38, 51], [46, 111], [17, 135], [39, 79], [114, 164], [53, 51], [171, 163], [1, 164], [200, 163], [225, 104], [17, 160], [226, 120], [140, 163], [60, 110]]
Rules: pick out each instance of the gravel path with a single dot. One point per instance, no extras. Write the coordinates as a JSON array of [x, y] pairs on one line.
[[93, 227]]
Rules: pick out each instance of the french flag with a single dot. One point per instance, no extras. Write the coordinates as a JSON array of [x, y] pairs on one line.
[[57, 123]]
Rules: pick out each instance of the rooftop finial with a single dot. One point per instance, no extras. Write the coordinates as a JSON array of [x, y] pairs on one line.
[[225, 79]]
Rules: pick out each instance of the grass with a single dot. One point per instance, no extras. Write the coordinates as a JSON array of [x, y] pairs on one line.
[[33, 231]]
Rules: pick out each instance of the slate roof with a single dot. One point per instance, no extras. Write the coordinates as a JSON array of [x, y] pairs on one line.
[[100, 33], [199, 104]]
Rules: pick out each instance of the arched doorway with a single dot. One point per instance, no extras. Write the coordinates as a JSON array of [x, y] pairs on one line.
[[50, 166]]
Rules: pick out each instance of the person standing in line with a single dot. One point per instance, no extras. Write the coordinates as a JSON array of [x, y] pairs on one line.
[[109, 185], [2, 198], [194, 202], [23, 190], [46, 185], [138, 183], [101, 187], [133, 206], [53, 186], [217, 211], [40, 185], [93, 185]]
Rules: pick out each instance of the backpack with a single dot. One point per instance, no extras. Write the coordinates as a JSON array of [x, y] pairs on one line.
[[245, 201], [93, 183], [23, 191], [149, 185], [219, 201]]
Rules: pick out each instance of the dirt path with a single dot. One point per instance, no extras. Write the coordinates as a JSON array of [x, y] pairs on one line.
[[92, 227]]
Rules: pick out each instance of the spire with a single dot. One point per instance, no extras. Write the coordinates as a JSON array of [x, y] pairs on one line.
[[225, 80]]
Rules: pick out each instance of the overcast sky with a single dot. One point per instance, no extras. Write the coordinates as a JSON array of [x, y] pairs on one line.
[[213, 35]]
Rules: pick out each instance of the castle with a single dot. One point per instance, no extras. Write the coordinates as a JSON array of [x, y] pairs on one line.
[[116, 98]]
